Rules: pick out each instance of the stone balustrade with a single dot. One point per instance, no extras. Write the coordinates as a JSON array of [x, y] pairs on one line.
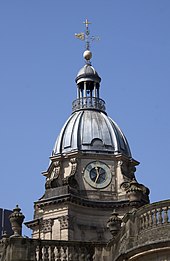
[[62, 251], [27, 249], [152, 215], [143, 230], [19, 248]]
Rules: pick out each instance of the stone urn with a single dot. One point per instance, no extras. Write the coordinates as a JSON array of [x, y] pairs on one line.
[[16, 220], [134, 192], [114, 224]]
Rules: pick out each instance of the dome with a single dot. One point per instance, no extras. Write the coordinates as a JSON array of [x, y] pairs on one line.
[[87, 73], [90, 130]]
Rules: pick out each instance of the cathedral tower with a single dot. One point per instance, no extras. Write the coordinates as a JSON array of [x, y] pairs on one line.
[[91, 169]]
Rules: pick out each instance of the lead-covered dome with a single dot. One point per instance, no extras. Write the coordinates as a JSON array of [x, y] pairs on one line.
[[91, 130], [87, 73]]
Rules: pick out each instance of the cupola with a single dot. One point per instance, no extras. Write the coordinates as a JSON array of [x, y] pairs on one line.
[[89, 128]]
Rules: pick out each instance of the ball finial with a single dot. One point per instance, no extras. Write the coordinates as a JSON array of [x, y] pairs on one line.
[[87, 55]]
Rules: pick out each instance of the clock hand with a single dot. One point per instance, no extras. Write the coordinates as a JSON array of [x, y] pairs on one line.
[[97, 171]]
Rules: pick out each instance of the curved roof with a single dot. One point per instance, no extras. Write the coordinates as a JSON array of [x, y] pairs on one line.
[[90, 130], [87, 73]]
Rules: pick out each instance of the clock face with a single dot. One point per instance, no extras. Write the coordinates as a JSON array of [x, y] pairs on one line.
[[97, 174]]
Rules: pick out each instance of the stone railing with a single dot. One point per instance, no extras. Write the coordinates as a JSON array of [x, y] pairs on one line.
[[18, 248], [153, 215], [88, 103], [64, 250], [145, 228]]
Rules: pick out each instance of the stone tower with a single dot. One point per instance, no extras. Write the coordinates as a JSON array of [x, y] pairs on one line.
[[91, 170]]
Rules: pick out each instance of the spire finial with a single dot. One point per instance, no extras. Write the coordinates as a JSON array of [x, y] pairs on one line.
[[86, 37], [87, 33]]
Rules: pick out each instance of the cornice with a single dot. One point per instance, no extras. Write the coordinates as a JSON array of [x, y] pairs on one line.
[[69, 198]]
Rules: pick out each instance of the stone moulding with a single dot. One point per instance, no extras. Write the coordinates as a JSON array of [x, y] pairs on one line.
[[80, 201]]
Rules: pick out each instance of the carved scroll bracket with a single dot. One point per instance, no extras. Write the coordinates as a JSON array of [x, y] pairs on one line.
[[73, 166]]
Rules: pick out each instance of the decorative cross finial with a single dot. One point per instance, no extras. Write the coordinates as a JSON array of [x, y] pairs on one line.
[[87, 23], [85, 36], [87, 33]]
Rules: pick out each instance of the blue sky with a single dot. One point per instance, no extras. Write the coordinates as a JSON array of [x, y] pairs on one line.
[[39, 60]]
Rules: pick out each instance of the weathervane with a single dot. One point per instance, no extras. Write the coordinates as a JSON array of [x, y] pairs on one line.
[[86, 37]]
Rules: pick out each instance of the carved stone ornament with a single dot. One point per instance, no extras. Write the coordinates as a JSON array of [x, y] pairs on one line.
[[114, 224], [46, 225], [132, 170], [73, 166], [127, 168], [125, 185], [16, 220], [56, 163], [134, 191], [70, 180], [66, 222], [120, 163], [52, 183], [55, 173]]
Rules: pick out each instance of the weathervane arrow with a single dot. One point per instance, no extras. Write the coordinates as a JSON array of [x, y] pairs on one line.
[[80, 36]]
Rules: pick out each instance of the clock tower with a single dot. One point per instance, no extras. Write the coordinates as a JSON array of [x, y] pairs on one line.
[[91, 168]]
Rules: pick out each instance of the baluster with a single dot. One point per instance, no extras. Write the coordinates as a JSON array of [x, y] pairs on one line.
[[154, 216], [145, 220], [70, 257], [76, 254], [82, 257], [58, 254], [70, 254], [52, 253], [35, 255], [150, 218], [94, 254], [39, 253], [160, 219], [165, 209], [76, 257], [46, 254], [64, 253], [90, 251], [141, 222], [168, 213], [85, 254], [89, 257]]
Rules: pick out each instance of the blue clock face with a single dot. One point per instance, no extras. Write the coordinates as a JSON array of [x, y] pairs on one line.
[[97, 174]]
